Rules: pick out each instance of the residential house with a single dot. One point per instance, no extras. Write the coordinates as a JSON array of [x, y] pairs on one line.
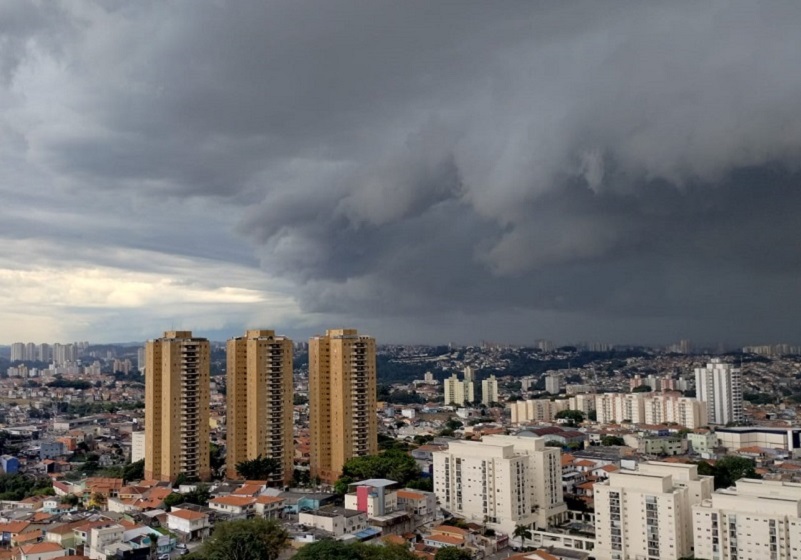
[[189, 524]]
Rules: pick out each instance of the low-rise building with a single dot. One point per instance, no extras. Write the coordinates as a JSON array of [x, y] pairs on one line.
[[336, 521], [234, 505], [189, 524]]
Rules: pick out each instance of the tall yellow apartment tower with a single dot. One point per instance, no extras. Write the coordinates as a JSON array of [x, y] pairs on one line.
[[177, 388], [342, 400], [259, 396]]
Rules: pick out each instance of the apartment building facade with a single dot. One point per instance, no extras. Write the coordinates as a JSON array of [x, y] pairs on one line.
[[647, 513], [504, 481], [342, 400], [719, 385], [177, 387], [259, 401], [756, 519]]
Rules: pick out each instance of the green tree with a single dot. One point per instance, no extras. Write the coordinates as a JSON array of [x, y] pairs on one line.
[[609, 441], [729, 469], [134, 471], [392, 464], [200, 496], [70, 500], [574, 417], [247, 539], [260, 468], [216, 457], [337, 550], [522, 532], [452, 553], [642, 389]]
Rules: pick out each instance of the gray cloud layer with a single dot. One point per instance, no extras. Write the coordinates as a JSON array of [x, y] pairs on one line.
[[431, 170]]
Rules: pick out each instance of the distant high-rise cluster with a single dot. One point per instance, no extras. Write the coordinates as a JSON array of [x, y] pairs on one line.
[[342, 391], [772, 350], [719, 385], [58, 354]]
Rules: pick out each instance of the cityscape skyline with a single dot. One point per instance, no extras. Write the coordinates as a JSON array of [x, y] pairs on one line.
[[624, 172]]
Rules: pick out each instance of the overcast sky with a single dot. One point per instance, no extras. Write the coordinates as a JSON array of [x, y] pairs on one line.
[[423, 171]]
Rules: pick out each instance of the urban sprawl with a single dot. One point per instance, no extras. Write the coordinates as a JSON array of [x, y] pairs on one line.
[[444, 452]]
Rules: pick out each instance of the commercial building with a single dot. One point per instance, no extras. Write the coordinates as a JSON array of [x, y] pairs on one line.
[[737, 437], [719, 385], [342, 400], [502, 480], [259, 401], [177, 389], [757, 519], [647, 513]]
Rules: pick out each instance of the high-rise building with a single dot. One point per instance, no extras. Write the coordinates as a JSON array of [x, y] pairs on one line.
[[18, 352], [647, 513], [553, 384], [459, 392], [342, 400], [504, 481], [259, 397], [489, 390], [177, 386], [719, 385], [757, 519]]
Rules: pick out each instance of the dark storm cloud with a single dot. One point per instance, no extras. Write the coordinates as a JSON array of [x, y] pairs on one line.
[[595, 170]]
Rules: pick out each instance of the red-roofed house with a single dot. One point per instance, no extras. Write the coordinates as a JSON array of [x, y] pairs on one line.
[[189, 524], [41, 551], [233, 505], [270, 506]]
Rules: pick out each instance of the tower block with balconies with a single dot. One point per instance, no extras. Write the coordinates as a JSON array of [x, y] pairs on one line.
[[342, 400], [177, 389], [259, 402]]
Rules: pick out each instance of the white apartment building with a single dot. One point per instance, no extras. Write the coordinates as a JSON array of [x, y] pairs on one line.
[[458, 392], [650, 408], [647, 513], [719, 385], [672, 407], [614, 408], [489, 390], [502, 480], [537, 410], [545, 410], [553, 384], [756, 520]]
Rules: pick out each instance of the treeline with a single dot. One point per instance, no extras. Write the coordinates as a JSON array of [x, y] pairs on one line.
[[18, 487]]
